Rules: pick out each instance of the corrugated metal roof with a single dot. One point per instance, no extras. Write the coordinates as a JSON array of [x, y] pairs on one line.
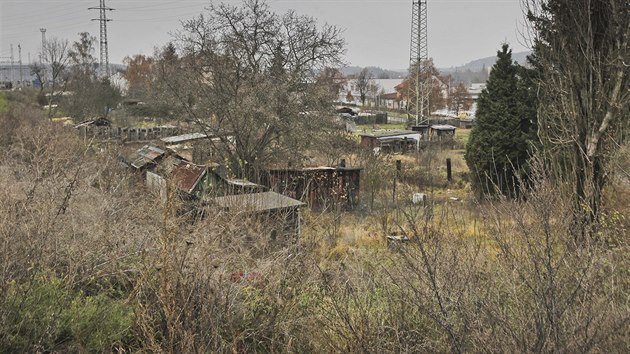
[[145, 155], [256, 201], [187, 176], [241, 183], [177, 139], [384, 133], [151, 152], [443, 127], [101, 121]]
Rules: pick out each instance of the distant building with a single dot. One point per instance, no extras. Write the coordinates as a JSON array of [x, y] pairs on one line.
[[12, 77], [380, 86], [441, 132], [475, 90], [393, 100], [391, 141]]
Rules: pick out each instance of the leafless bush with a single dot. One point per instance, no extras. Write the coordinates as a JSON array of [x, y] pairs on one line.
[[216, 286], [549, 293]]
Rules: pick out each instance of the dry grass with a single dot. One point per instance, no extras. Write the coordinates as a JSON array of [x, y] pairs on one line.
[[473, 278]]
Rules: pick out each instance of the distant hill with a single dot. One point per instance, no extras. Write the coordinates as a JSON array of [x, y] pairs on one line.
[[467, 73], [479, 64], [377, 73]]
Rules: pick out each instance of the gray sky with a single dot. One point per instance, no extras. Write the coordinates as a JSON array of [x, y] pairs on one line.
[[377, 32]]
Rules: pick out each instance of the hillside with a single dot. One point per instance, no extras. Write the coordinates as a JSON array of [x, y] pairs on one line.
[[479, 64], [468, 73]]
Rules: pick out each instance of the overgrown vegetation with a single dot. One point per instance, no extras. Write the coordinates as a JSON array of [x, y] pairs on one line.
[[92, 261]]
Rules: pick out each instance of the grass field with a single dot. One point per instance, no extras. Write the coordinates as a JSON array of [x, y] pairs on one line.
[[4, 106], [462, 135]]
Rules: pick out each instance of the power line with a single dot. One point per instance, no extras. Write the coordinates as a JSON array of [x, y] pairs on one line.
[[104, 60]]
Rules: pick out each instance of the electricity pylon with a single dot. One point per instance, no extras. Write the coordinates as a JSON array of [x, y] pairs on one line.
[[104, 59], [420, 81]]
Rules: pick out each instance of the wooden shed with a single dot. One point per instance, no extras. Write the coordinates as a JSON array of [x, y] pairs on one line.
[[321, 188], [281, 213], [391, 141]]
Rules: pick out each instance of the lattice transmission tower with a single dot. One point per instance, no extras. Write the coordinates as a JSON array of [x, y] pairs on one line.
[[420, 83], [104, 59]]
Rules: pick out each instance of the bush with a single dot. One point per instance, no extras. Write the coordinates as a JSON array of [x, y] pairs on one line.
[[45, 315]]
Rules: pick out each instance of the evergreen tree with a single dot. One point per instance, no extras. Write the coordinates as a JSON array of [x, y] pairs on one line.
[[498, 148]]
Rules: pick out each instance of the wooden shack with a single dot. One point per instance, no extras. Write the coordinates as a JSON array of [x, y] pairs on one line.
[[441, 132], [321, 188], [279, 212], [391, 141]]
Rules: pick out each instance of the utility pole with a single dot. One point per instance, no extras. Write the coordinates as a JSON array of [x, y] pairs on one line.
[[11, 76], [420, 82], [104, 60], [41, 56], [20, 63]]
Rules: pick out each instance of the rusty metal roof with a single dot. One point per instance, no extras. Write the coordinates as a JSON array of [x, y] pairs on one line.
[[146, 155], [187, 176]]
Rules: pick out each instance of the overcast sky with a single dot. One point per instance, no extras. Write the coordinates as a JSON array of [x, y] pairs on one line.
[[377, 32]]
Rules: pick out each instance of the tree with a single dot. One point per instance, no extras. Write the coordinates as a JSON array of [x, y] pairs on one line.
[[82, 56], [139, 74], [460, 99], [55, 54], [92, 96], [582, 50], [498, 148], [349, 97], [363, 82], [373, 91], [432, 75], [38, 70], [248, 76], [332, 80]]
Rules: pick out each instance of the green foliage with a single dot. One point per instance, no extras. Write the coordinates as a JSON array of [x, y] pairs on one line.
[[47, 316], [92, 96], [4, 105], [498, 149]]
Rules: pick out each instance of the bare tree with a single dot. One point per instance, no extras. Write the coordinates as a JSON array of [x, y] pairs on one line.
[[363, 83], [55, 54], [249, 77], [460, 99], [582, 50]]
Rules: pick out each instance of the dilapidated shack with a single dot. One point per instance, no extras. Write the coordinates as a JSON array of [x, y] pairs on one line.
[[321, 188], [145, 158], [280, 213], [442, 132], [391, 141]]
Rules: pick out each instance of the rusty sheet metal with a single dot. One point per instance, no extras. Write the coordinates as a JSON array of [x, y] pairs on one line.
[[187, 176]]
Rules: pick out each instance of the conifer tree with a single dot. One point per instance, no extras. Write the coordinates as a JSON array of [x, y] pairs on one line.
[[498, 148]]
